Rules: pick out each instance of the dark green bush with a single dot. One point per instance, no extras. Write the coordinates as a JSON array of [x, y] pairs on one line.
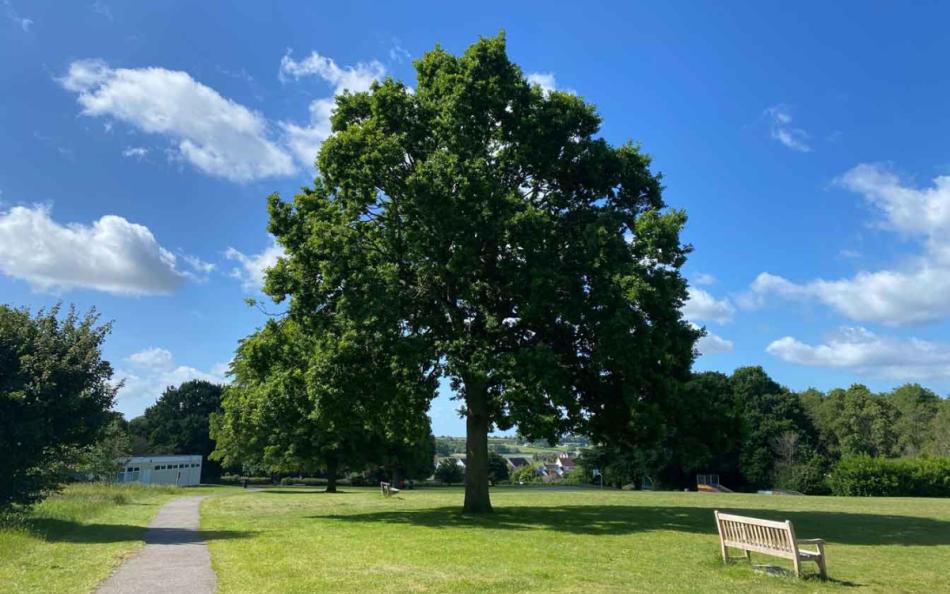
[[808, 477], [888, 477], [236, 479], [310, 482]]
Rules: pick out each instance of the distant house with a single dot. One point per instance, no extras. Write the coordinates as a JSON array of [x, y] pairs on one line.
[[549, 472], [565, 464], [517, 462]]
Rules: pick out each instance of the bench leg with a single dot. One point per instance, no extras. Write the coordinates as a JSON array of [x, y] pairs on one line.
[[822, 568]]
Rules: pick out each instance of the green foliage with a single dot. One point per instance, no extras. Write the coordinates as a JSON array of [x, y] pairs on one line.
[[867, 476], [768, 412], [808, 476], [338, 400], [526, 475], [55, 397], [939, 443], [448, 472], [101, 459], [515, 251], [178, 423], [916, 408], [497, 468]]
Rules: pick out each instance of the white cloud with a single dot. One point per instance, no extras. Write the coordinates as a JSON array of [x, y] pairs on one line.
[[252, 268], [859, 350], [199, 266], [102, 10], [781, 129], [138, 152], [919, 290], [711, 344], [216, 135], [545, 80], [702, 278], [153, 370], [153, 358], [399, 54], [21, 21], [701, 306], [111, 255], [305, 140]]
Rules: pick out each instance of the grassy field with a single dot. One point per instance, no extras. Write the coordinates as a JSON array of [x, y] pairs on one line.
[[299, 540], [71, 541]]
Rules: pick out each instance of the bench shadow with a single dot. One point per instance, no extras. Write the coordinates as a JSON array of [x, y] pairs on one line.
[[55, 530], [834, 527]]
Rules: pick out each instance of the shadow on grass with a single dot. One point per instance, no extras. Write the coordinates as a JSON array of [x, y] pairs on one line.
[[291, 490], [834, 527], [55, 530]]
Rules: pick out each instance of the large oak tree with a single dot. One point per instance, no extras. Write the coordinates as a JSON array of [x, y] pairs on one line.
[[536, 265]]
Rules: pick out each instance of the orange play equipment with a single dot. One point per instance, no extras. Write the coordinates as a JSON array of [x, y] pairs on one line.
[[709, 483]]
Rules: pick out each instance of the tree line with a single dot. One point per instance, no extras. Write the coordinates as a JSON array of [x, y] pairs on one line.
[[757, 434]]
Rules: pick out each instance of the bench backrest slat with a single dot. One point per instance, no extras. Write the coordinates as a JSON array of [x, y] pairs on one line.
[[754, 534]]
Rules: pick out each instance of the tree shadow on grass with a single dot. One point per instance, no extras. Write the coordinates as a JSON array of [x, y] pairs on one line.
[[290, 490], [55, 530], [834, 527]]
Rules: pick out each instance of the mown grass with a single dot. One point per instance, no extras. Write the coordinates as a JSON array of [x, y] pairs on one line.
[[300, 540], [72, 540]]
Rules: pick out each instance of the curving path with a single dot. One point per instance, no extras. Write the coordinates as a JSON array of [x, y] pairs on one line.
[[175, 558]]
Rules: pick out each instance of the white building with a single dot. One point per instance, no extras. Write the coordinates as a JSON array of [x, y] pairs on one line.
[[161, 470]]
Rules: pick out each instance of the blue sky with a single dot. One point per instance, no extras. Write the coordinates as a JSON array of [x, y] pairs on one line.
[[807, 142]]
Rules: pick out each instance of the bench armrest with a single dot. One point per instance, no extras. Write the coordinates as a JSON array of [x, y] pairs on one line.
[[811, 541]]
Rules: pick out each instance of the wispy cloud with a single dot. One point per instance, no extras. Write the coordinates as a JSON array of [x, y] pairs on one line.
[[859, 350], [782, 130], [305, 140], [252, 268], [24, 23]]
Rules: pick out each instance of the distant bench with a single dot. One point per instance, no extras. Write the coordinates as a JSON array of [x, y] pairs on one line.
[[388, 490], [769, 538]]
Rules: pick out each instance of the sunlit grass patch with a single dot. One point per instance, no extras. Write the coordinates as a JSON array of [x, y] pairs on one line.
[[300, 540], [72, 540]]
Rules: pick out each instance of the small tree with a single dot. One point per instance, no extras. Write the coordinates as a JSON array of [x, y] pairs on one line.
[[55, 397], [178, 422], [102, 460], [497, 468], [448, 471], [528, 474]]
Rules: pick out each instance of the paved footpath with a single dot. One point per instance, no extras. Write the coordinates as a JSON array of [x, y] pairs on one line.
[[175, 558]]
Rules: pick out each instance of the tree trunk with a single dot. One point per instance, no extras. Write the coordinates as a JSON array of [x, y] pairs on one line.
[[396, 477], [477, 499], [331, 474]]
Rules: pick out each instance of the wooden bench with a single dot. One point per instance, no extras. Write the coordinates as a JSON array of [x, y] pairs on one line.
[[769, 538], [388, 490]]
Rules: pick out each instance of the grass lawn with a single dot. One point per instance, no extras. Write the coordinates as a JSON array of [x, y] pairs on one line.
[[71, 541], [298, 540]]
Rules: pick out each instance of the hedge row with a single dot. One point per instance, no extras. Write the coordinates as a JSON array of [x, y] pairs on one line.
[[891, 477]]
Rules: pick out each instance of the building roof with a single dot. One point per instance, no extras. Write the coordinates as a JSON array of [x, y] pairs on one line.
[[161, 459], [517, 461]]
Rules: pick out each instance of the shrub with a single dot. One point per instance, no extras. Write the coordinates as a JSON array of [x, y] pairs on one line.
[[236, 479], [867, 476], [308, 481], [808, 477], [449, 472], [527, 475]]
